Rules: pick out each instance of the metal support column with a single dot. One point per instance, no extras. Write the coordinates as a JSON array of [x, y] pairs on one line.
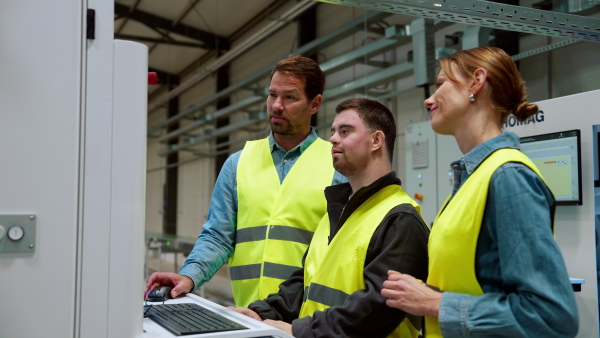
[[476, 36], [171, 173], [423, 43], [222, 83], [307, 32]]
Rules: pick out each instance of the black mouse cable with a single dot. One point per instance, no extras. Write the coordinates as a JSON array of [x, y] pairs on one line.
[[148, 309]]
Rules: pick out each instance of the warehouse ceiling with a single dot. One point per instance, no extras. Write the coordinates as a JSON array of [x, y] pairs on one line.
[[189, 39], [183, 34]]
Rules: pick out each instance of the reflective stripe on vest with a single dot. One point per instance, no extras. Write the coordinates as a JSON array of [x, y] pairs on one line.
[[250, 271], [453, 239], [325, 295], [280, 232], [275, 222], [333, 271]]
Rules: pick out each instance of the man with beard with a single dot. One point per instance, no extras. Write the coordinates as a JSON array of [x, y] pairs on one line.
[[268, 198], [372, 226]]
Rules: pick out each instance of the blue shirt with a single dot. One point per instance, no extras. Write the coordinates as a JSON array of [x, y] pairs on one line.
[[527, 292], [216, 241]]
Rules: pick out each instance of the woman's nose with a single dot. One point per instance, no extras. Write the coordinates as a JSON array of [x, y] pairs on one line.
[[428, 102]]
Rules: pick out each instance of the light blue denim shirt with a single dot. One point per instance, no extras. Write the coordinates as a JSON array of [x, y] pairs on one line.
[[527, 292], [216, 241]]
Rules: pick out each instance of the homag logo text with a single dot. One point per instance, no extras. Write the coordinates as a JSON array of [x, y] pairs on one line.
[[512, 120]]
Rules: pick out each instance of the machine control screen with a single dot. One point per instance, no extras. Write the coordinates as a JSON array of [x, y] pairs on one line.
[[558, 157]]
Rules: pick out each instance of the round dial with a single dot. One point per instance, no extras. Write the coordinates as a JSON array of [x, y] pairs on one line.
[[15, 233]]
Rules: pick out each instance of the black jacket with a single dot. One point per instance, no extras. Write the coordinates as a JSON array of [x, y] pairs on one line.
[[399, 243]]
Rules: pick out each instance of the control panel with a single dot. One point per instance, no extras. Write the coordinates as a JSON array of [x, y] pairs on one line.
[[17, 233]]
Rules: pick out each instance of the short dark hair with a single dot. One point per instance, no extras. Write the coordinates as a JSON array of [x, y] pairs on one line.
[[305, 69], [375, 116]]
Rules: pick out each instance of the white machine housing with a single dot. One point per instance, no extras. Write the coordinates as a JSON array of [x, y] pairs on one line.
[[428, 176], [74, 157]]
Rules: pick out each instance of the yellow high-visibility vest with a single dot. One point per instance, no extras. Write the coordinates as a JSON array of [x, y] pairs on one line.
[[333, 271], [275, 222], [453, 238]]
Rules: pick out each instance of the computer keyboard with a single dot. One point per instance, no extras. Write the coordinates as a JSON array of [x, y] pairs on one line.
[[188, 318]]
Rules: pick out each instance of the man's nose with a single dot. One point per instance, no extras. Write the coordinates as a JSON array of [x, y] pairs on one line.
[[277, 104], [333, 139]]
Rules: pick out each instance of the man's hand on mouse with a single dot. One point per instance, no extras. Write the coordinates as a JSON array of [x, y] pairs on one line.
[[180, 284]]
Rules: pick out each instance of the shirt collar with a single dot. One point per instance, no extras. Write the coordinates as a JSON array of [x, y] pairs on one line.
[[473, 158], [312, 136]]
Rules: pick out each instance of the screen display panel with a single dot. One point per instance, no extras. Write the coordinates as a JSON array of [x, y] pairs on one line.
[[558, 157]]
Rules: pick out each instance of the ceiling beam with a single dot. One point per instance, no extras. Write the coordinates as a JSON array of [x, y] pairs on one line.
[[165, 78], [208, 40], [132, 7], [489, 14], [184, 11], [262, 15], [157, 40], [232, 54]]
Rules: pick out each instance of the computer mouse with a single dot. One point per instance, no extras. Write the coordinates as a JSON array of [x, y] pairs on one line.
[[160, 294]]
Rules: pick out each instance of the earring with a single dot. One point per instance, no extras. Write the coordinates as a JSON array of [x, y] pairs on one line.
[[472, 97]]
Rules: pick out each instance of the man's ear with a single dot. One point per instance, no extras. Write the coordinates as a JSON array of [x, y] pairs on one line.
[[316, 104], [378, 140]]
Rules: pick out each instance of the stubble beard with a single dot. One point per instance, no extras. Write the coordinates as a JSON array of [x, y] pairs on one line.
[[281, 128], [343, 167]]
